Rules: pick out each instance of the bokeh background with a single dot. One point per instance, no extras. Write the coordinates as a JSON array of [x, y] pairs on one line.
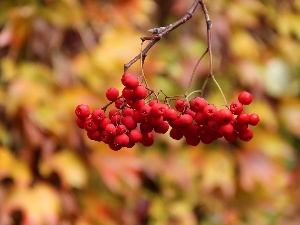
[[56, 54]]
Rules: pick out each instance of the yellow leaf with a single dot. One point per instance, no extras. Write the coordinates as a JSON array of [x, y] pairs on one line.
[[218, 172], [68, 166]]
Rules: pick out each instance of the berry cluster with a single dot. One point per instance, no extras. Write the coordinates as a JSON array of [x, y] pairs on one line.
[[135, 119]]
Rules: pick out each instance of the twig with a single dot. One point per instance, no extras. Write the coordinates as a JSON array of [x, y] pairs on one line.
[[162, 31]]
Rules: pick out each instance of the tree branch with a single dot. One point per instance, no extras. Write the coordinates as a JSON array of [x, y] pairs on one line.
[[162, 31]]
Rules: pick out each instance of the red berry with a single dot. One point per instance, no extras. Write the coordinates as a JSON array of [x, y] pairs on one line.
[[243, 118], [185, 120], [94, 135], [170, 114], [121, 129], [112, 94], [129, 122], [98, 115], [213, 125], [226, 129], [129, 80], [181, 105], [137, 104], [147, 139], [210, 111], [127, 112], [192, 140], [146, 127], [155, 120], [253, 119], [114, 146], [176, 134], [198, 104], [200, 118], [236, 107], [90, 125], [224, 116], [245, 98], [158, 109], [127, 93], [246, 135], [232, 136], [111, 129], [80, 122], [140, 92], [120, 103], [82, 111], [145, 110], [103, 123], [162, 128], [122, 140], [135, 136], [113, 112], [137, 116]]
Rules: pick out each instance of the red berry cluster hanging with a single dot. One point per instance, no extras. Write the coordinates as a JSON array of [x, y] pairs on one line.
[[139, 114], [136, 119]]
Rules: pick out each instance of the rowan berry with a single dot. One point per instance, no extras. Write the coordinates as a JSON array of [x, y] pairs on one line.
[[161, 128], [200, 118], [80, 122], [193, 141], [185, 120], [245, 98], [176, 134], [246, 135], [236, 107], [170, 114], [231, 137], [127, 112], [121, 129], [181, 105], [198, 104], [82, 111], [127, 93], [129, 80], [137, 104], [90, 125], [155, 120], [226, 129], [120, 103], [140, 92], [243, 118], [145, 110], [135, 136], [98, 115], [111, 129], [106, 137], [224, 116], [158, 109], [146, 127], [129, 122], [121, 139], [94, 135], [210, 111], [253, 119], [147, 139], [112, 94], [103, 123]]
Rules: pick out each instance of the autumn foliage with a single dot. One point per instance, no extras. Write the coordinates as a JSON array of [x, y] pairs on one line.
[[58, 54]]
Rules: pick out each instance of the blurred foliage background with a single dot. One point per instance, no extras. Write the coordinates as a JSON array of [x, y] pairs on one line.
[[56, 54]]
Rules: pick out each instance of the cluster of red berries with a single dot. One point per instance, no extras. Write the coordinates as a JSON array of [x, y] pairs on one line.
[[134, 119]]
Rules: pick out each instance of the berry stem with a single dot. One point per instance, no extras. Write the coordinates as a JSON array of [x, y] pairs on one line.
[[161, 32], [142, 60], [194, 70]]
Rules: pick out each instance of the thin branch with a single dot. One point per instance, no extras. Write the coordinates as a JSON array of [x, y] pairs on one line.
[[161, 32]]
